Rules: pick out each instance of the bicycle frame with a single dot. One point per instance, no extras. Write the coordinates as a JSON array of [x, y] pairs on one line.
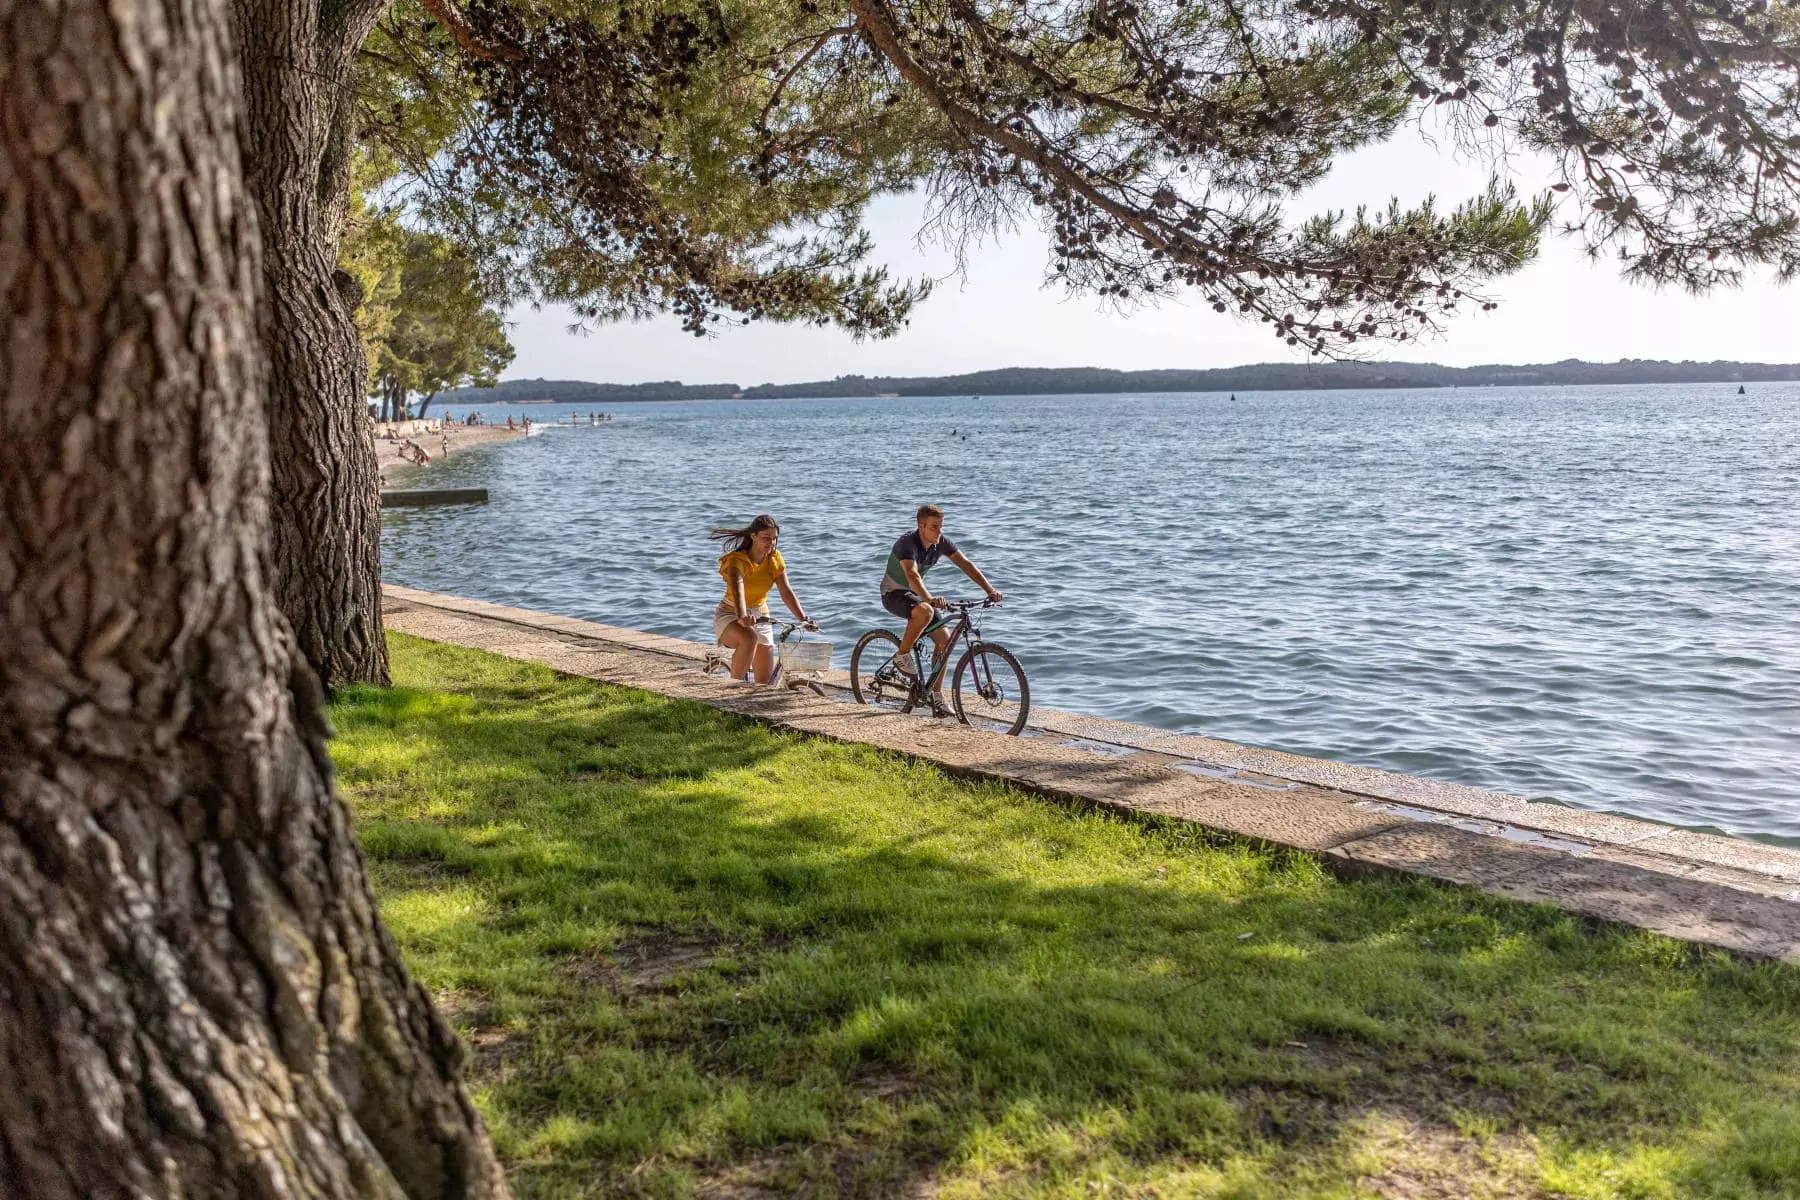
[[962, 624]]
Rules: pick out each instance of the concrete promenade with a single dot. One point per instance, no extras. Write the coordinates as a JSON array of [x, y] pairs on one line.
[[1737, 895]]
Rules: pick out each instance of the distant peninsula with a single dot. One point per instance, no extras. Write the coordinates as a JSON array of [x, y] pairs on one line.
[[1046, 381]]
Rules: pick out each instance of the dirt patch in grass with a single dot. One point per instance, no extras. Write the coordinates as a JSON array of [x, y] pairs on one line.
[[845, 1171], [1436, 1162], [420, 872], [587, 776], [496, 1045], [1331, 1080], [650, 961], [886, 1083], [460, 1006], [490, 1046], [846, 1167], [1398, 1114], [750, 1179]]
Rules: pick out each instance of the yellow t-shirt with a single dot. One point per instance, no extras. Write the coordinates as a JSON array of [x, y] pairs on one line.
[[758, 578]]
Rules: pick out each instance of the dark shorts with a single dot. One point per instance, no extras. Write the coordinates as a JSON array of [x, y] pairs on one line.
[[901, 602]]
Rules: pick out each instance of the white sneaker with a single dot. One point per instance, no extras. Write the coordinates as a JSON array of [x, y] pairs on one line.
[[903, 665]]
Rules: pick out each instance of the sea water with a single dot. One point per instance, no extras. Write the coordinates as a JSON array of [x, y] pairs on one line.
[[1590, 595]]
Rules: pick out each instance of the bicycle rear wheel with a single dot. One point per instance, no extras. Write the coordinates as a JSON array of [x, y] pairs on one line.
[[874, 650], [989, 686]]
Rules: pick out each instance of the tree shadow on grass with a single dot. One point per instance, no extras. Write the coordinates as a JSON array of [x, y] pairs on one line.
[[880, 981]]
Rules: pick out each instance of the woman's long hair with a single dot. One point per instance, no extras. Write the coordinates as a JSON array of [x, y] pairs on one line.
[[739, 539]]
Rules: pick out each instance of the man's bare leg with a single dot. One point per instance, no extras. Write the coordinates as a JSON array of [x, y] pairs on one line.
[[942, 638], [915, 625]]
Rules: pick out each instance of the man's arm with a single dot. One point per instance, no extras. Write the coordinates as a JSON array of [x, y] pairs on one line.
[[974, 572], [916, 581]]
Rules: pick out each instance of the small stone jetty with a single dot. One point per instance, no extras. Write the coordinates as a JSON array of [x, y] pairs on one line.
[[421, 497]]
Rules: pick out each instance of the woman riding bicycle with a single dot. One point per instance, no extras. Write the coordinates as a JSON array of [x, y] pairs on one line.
[[750, 566]]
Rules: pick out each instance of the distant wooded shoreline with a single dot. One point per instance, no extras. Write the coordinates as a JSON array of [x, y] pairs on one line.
[[1042, 381]]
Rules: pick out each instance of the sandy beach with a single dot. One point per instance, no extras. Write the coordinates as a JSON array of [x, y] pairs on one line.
[[397, 471]]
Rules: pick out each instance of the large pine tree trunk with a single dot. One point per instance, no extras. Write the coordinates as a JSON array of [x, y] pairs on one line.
[[197, 997], [298, 61]]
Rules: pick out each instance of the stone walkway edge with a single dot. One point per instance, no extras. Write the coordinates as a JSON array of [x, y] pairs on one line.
[[1730, 893]]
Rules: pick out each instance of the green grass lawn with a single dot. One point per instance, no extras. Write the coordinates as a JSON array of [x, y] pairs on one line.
[[693, 956]]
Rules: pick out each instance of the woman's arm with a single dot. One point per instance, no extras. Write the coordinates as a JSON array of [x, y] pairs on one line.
[[787, 598], [737, 597]]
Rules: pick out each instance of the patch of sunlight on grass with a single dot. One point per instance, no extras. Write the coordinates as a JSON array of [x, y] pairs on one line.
[[1648, 1173], [1754, 1159], [425, 917], [1274, 952], [698, 957], [557, 1135]]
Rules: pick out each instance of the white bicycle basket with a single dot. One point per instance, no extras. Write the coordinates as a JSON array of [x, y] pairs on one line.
[[806, 656]]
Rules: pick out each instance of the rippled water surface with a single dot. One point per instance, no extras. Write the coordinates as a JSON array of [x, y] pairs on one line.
[[1585, 594]]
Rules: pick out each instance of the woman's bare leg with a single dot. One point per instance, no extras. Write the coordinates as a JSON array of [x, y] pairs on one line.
[[741, 642], [765, 662]]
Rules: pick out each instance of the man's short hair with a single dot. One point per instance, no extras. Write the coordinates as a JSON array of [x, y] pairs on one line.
[[928, 510]]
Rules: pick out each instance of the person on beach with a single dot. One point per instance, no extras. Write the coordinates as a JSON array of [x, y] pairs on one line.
[[750, 566], [904, 594]]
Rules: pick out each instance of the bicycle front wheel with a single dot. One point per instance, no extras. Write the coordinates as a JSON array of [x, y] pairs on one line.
[[990, 686], [874, 650]]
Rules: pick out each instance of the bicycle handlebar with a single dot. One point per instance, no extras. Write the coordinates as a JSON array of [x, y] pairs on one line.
[[966, 605], [788, 627]]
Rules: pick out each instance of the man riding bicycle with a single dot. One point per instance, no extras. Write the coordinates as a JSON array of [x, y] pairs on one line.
[[904, 594]]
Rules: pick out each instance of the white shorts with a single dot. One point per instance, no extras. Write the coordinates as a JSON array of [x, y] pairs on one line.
[[725, 617]]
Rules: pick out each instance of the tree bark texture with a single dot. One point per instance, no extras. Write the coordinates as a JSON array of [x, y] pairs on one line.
[[298, 59], [197, 996]]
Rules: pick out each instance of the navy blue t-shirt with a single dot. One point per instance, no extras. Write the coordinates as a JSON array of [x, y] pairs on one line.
[[924, 557]]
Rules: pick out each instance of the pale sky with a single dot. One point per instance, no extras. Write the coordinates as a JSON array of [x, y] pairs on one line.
[[1000, 315]]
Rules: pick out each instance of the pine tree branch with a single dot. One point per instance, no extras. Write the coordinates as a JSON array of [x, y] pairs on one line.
[[471, 43]]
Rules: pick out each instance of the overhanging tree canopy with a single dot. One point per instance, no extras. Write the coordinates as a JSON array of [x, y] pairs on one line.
[[1163, 143], [1674, 126], [604, 158]]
